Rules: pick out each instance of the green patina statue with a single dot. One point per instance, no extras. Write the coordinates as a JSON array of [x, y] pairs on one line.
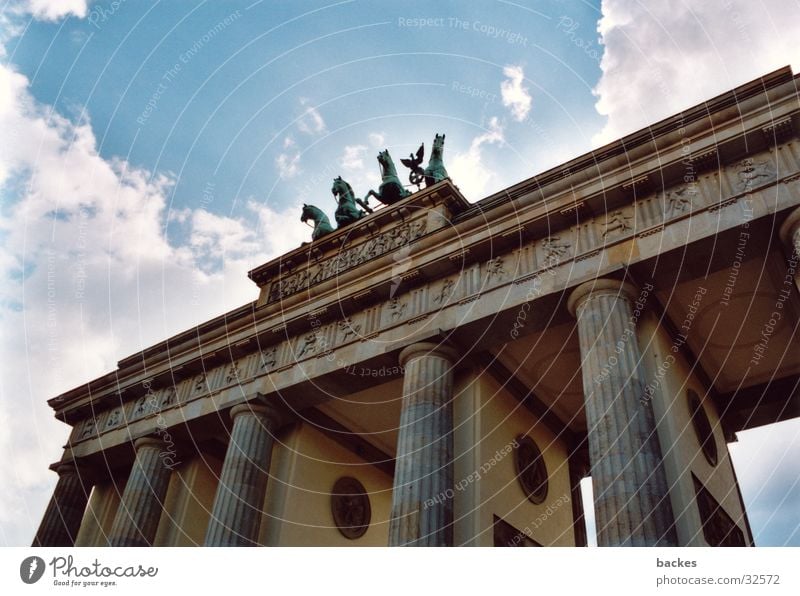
[[435, 172], [322, 224], [347, 212], [391, 189]]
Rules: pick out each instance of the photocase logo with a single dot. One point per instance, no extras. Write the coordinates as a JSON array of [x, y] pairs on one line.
[[31, 569]]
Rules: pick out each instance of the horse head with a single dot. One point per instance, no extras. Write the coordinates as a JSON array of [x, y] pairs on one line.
[[386, 163], [340, 187], [322, 225], [309, 212], [383, 159], [438, 145]]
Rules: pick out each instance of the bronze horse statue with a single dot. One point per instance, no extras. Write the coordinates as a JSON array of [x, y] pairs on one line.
[[347, 212], [389, 192], [391, 189], [322, 225], [435, 172]]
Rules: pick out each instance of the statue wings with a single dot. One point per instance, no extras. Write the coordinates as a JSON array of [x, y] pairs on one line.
[[413, 162]]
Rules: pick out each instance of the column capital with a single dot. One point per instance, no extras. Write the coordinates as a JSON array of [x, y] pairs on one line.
[[148, 442], [789, 229], [425, 348], [73, 466], [599, 287], [273, 414]]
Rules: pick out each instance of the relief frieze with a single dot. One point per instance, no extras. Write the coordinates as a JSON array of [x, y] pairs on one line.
[[347, 258], [269, 359], [752, 173], [679, 199], [555, 250], [617, 223]]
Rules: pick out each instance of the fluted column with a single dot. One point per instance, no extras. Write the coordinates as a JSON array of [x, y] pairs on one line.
[[631, 497], [790, 235], [139, 512], [62, 518], [422, 498], [238, 505]]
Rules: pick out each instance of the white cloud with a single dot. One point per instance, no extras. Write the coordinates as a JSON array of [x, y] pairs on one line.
[[311, 122], [288, 162], [377, 139], [52, 10], [89, 277], [280, 231], [262, 234], [515, 96], [288, 165], [213, 235], [662, 57], [353, 157], [468, 170]]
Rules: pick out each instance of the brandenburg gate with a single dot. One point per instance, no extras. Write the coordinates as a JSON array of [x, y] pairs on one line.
[[437, 372]]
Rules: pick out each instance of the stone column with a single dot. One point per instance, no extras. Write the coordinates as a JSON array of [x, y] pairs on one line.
[[422, 496], [137, 517], [631, 497], [62, 518], [239, 502], [790, 235]]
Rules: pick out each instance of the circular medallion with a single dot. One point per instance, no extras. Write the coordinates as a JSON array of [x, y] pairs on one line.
[[702, 427], [350, 507], [531, 470]]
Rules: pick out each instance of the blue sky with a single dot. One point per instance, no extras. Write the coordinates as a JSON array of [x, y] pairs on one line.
[[153, 152], [226, 102]]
